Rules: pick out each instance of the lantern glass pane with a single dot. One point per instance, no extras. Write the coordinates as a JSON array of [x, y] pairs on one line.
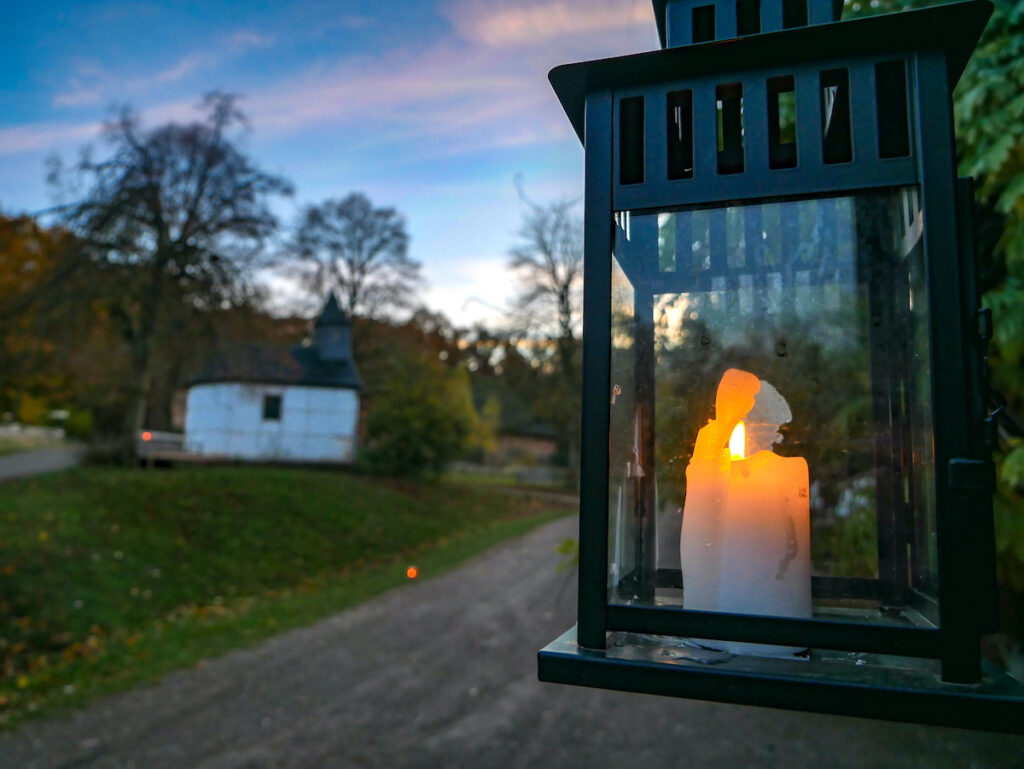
[[770, 410]]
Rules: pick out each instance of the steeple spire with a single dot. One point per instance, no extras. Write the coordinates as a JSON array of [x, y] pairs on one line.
[[332, 314], [332, 332]]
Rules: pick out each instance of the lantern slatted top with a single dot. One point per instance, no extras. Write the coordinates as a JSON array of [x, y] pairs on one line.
[[719, 121]]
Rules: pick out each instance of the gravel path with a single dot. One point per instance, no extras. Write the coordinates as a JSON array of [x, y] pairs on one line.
[[442, 673], [27, 463]]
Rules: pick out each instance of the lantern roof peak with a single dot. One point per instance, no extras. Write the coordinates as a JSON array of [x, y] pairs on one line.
[[685, 22], [951, 28]]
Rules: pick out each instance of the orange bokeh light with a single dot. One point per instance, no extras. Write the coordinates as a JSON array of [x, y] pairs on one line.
[[147, 436], [412, 572]]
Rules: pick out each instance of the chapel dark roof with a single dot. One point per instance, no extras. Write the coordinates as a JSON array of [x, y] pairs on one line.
[[307, 366], [268, 364]]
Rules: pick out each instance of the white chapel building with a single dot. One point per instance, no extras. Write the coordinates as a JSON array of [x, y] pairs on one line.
[[264, 403]]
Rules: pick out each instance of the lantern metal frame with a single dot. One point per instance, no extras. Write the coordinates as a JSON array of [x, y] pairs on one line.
[[612, 645]]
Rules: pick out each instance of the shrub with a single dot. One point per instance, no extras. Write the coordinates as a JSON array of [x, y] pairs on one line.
[[422, 419], [32, 410], [79, 424]]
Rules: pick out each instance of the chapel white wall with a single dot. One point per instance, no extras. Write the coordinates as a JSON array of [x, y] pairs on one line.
[[318, 424]]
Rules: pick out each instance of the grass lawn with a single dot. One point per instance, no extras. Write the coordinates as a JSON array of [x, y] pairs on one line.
[[111, 577], [481, 479], [504, 479]]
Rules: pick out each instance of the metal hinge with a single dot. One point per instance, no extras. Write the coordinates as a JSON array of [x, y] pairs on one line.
[[990, 430], [985, 324]]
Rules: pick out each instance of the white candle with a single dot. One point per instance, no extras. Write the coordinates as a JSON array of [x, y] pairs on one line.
[[745, 540]]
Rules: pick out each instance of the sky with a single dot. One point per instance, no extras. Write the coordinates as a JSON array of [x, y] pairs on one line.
[[430, 106]]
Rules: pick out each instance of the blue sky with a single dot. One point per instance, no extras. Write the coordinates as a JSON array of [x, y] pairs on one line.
[[431, 106]]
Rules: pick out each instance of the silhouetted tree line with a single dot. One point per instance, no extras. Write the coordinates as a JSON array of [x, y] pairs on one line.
[[155, 257]]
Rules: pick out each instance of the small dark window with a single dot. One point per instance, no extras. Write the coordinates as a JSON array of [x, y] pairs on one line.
[[748, 17], [680, 134], [631, 140], [781, 122], [891, 101], [271, 408], [704, 24], [794, 13], [729, 101], [835, 116]]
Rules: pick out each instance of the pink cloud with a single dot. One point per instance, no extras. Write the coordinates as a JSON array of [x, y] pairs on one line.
[[355, 21], [448, 91], [92, 84], [44, 136], [484, 85], [78, 95], [243, 39], [498, 24]]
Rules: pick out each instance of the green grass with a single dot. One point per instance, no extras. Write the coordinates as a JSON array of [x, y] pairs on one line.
[[503, 479], [112, 577], [481, 479]]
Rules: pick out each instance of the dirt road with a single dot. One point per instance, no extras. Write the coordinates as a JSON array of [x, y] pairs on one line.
[[442, 673], [27, 463]]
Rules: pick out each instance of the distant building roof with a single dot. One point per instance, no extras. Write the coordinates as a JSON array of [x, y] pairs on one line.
[[267, 364], [325, 363]]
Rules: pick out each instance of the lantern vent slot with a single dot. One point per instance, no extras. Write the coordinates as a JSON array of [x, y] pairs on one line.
[[729, 101], [748, 17], [631, 140], [794, 13], [837, 140], [679, 113], [891, 103], [781, 122], [703, 23]]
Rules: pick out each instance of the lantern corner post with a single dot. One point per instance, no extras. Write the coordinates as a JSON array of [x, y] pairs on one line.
[[959, 622], [978, 323], [597, 250]]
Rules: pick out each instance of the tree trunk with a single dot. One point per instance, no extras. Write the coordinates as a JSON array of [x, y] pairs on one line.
[[142, 353], [145, 385]]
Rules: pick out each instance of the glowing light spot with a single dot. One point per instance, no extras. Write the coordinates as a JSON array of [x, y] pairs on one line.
[[147, 436], [412, 572], [737, 443]]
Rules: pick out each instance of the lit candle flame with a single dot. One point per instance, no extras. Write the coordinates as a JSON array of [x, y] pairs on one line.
[[737, 443]]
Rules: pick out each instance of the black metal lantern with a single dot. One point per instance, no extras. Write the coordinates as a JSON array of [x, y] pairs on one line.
[[786, 484]]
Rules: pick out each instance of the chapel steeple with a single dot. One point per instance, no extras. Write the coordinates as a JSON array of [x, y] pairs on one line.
[[332, 333]]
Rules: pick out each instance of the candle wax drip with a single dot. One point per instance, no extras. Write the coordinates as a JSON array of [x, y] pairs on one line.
[[792, 549]]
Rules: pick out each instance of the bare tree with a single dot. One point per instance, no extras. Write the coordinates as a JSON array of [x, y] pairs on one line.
[[175, 215], [358, 251], [548, 261]]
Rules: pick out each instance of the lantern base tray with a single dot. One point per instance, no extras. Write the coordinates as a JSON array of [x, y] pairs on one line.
[[869, 686]]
